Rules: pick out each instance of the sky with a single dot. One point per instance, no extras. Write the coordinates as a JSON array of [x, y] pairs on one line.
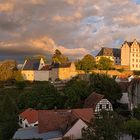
[[75, 27]]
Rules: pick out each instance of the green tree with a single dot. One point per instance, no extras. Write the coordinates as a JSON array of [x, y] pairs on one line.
[[76, 91], [136, 112], [132, 127], [58, 57], [104, 64], [108, 126], [8, 118], [87, 63], [103, 84], [42, 96]]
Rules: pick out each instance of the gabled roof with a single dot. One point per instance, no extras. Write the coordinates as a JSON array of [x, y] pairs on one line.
[[92, 100], [32, 64], [109, 52], [85, 114], [30, 114]]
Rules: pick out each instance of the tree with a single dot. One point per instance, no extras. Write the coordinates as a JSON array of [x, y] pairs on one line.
[[87, 63], [42, 96], [8, 118], [58, 57], [105, 85], [75, 91], [7, 70], [132, 127], [104, 64], [108, 126], [136, 112]]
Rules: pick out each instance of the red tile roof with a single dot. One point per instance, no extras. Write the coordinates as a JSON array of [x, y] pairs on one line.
[[85, 114], [92, 100], [50, 120], [30, 114]]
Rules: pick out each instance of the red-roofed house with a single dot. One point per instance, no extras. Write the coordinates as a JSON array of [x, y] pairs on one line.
[[28, 118], [63, 123]]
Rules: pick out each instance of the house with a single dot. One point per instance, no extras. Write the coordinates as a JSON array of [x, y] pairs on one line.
[[130, 54], [97, 102], [63, 71], [57, 124], [32, 70], [28, 118], [35, 69], [113, 54]]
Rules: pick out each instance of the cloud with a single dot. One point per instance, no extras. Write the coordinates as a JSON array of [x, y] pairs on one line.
[[6, 6], [43, 45], [76, 27]]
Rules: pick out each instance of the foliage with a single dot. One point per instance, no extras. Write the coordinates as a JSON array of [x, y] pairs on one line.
[[136, 112], [132, 127], [58, 57], [8, 118], [104, 63], [136, 72], [105, 85], [75, 91], [108, 126], [87, 63], [18, 76], [43, 95], [7, 70], [20, 84]]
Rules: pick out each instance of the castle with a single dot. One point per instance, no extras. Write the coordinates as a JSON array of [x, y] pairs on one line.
[[127, 55]]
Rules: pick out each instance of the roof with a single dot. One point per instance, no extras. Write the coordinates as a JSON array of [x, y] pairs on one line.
[[110, 52], [32, 132], [63, 65], [85, 114], [32, 64], [92, 100], [50, 120], [30, 114], [46, 67]]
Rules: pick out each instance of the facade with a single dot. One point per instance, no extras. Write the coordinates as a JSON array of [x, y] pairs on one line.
[[113, 54], [37, 70], [130, 54], [98, 103]]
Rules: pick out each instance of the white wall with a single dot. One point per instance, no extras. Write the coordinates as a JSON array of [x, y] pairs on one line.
[[25, 123], [41, 75], [104, 103], [124, 99], [31, 75], [75, 131]]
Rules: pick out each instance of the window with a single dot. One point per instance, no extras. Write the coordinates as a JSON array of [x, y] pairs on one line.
[[133, 60], [136, 60], [133, 65], [133, 54], [100, 106], [107, 106]]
